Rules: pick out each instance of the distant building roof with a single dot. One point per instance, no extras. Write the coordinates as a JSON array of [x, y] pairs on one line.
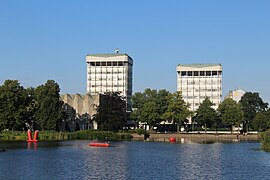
[[199, 65], [107, 55]]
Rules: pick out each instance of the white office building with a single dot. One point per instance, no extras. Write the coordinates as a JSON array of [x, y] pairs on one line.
[[110, 73], [198, 81]]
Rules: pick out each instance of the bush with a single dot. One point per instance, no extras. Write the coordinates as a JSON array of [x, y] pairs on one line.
[[265, 140], [59, 136]]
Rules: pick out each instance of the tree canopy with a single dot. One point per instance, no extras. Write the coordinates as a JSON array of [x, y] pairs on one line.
[[30, 108], [230, 112], [50, 109], [252, 104], [177, 111], [111, 112], [261, 122], [205, 114], [13, 106], [150, 106]]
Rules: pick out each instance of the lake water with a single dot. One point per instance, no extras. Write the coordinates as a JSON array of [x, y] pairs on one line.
[[134, 160]]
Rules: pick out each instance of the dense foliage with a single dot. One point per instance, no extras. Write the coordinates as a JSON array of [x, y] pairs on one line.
[[32, 108], [60, 135], [152, 107], [177, 111], [261, 122], [13, 106], [50, 112], [251, 104], [230, 112], [205, 114], [111, 112], [265, 139], [149, 106]]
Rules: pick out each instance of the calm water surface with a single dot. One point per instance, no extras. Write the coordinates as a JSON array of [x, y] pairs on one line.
[[134, 160]]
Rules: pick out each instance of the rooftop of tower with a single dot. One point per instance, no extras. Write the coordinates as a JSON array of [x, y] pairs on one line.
[[107, 55], [199, 65]]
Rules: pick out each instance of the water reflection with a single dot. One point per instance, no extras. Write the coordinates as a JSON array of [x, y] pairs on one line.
[[133, 160], [197, 159], [106, 163]]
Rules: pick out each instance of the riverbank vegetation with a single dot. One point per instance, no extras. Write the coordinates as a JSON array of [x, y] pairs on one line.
[[154, 107], [41, 108], [265, 140], [32, 108], [61, 135]]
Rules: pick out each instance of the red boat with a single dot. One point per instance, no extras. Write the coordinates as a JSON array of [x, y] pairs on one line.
[[100, 144]]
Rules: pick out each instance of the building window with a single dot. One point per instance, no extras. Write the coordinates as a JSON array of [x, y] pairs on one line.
[[183, 73], [202, 73], [196, 73], [208, 73], [214, 73], [189, 73]]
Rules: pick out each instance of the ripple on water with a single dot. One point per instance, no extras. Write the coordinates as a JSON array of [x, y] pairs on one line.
[[135, 160]]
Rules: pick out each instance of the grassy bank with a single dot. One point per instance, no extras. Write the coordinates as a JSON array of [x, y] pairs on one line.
[[265, 140], [53, 135]]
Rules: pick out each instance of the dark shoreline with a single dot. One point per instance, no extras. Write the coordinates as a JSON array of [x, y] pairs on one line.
[[183, 138]]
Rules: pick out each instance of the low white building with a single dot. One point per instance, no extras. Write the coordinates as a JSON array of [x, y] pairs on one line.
[[236, 95]]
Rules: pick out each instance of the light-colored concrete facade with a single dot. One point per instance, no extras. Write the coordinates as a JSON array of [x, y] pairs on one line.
[[110, 73], [198, 81], [235, 94], [82, 104]]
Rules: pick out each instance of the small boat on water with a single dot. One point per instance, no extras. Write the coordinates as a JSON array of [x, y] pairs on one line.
[[99, 144]]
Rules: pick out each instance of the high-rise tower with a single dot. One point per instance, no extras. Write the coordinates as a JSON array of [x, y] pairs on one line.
[[110, 73], [198, 81]]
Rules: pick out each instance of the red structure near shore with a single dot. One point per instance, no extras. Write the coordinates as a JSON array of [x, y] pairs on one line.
[[172, 139], [30, 136]]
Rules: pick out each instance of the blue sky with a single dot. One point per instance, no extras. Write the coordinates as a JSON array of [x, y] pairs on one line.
[[41, 40]]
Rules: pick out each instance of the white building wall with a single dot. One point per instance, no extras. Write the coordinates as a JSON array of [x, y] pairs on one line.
[[236, 95], [110, 73], [198, 81]]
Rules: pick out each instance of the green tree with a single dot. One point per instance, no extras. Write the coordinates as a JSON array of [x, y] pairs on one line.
[[13, 106], [205, 114], [231, 113], [138, 100], [50, 109], [261, 122], [149, 113], [251, 104], [111, 112], [149, 106], [162, 102], [177, 111], [31, 108]]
